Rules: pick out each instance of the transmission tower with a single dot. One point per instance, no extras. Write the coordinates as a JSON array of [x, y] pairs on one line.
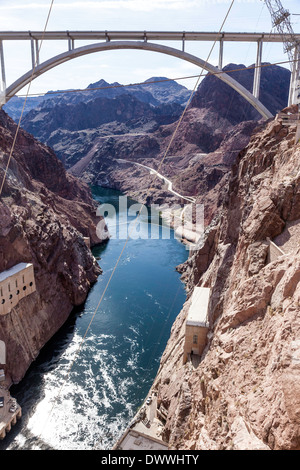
[[281, 21]]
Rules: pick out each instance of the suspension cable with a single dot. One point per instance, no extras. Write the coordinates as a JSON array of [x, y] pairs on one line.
[[24, 104], [128, 238]]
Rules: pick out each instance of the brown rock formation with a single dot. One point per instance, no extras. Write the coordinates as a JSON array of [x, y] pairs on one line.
[[45, 213], [244, 393], [90, 132]]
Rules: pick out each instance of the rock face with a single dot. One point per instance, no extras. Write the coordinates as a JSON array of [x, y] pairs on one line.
[[155, 91], [94, 132], [91, 131], [216, 126], [244, 392], [216, 95], [167, 91], [123, 109], [72, 122], [45, 215]]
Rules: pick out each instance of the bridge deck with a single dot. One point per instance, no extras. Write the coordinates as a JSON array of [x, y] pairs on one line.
[[141, 35]]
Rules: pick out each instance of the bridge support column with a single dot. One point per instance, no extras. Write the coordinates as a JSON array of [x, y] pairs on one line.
[[221, 51], [295, 79], [37, 52], [3, 76], [32, 53], [71, 44], [257, 72], [2, 353]]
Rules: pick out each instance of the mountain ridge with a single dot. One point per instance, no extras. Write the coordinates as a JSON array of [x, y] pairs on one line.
[[143, 92]]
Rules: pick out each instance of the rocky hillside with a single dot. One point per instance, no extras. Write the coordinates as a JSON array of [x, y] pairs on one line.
[[104, 125], [167, 91], [96, 132], [244, 392], [45, 213], [217, 125], [154, 92], [125, 109], [216, 95]]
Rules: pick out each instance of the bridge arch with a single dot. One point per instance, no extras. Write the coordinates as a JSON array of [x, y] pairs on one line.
[[146, 46]]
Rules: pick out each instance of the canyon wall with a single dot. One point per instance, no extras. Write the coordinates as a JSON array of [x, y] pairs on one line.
[[92, 132], [244, 391], [45, 215], [216, 126]]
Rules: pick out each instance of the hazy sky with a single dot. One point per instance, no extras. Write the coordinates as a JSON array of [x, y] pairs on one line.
[[139, 15]]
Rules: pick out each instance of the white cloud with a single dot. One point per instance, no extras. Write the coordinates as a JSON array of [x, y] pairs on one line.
[[23, 6], [134, 5], [143, 5]]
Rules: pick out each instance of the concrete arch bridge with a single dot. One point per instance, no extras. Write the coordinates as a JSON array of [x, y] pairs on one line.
[[110, 40]]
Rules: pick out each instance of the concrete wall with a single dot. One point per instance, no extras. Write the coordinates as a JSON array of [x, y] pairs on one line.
[[192, 333], [297, 135], [274, 252], [15, 284], [2, 353], [196, 326]]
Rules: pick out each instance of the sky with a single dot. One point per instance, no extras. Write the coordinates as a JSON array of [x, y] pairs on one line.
[[138, 15]]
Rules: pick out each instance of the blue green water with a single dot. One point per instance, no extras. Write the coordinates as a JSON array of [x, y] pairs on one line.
[[82, 395]]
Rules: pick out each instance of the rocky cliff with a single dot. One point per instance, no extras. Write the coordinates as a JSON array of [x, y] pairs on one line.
[[45, 215], [216, 126], [216, 95], [95, 131], [155, 91], [92, 131], [244, 391]]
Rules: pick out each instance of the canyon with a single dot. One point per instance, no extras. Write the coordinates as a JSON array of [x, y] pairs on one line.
[[92, 131], [243, 393], [45, 216]]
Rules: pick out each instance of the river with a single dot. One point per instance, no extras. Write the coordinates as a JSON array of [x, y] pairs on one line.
[[82, 395]]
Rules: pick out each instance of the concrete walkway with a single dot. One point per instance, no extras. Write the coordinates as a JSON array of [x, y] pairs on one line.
[[9, 412], [145, 428]]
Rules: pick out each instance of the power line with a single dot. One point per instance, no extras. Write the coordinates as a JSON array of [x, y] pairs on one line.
[[184, 111], [24, 104], [188, 77], [232, 95], [191, 96], [128, 236], [17, 131]]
